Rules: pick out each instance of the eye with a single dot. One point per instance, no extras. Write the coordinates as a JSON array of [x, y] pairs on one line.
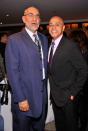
[[50, 24], [30, 14], [57, 24], [37, 15]]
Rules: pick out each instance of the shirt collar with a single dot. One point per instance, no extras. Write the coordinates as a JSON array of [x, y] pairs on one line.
[[58, 39], [30, 33]]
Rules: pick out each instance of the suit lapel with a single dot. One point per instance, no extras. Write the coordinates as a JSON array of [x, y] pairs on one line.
[[59, 49], [42, 41], [59, 46], [45, 52], [28, 40]]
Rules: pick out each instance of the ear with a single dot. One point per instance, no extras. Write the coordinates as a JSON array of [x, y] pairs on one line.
[[63, 27], [23, 19]]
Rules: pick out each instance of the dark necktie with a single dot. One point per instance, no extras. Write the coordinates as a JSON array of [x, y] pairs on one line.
[[51, 55]]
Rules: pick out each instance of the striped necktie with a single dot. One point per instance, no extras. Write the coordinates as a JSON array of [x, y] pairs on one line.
[[38, 43]]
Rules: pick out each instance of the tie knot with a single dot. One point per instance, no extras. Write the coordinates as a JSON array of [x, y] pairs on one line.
[[52, 44], [36, 39], [35, 36]]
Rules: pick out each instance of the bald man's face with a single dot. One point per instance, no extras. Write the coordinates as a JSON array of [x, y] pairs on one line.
[[56, 27], [31, 19]]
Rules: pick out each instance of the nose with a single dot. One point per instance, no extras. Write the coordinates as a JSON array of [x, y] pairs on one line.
[[34, 17], [53, 26]]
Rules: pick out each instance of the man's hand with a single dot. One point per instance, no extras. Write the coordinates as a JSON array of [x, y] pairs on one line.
[[72, 97], [24, 106]]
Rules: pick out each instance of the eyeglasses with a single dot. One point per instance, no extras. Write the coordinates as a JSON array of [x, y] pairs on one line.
[[32, 15]]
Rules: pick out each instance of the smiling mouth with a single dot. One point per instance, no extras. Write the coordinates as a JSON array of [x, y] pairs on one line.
[[53, 31]]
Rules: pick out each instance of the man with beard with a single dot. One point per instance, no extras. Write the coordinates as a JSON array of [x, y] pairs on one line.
[[26, 64]]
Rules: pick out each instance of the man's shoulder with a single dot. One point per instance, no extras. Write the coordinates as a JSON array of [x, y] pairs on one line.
[[66, 39], [69, 44], [15, 39], [69, 41], [15, 35]]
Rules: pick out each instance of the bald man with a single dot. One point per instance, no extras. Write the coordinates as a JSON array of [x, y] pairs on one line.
[[67, 74], [26, 64]]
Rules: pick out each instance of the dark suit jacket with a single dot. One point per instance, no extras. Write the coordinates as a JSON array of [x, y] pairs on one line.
[[2, 69], [68, 73], [24, 70], [2, 52], [2, 49]]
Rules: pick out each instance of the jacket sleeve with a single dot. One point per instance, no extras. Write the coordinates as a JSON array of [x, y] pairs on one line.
[[81, 68], [12, 67]]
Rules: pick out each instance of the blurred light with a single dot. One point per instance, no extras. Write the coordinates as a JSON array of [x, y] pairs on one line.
[[7, 15], [1, 23], [68, 26], [74, 26], [84, 24]]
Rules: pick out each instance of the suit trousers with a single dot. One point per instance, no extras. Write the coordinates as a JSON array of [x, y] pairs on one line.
[[22, 122], [26, 123], [66, 116]]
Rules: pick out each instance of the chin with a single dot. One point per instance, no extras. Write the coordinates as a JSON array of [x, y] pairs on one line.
[[35, 29], [54, 36]]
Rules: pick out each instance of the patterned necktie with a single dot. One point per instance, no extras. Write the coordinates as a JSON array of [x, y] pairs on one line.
[[51, 55], [38, 43]]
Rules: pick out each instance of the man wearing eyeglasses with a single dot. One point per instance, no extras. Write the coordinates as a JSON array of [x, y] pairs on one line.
[[26, 64]]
